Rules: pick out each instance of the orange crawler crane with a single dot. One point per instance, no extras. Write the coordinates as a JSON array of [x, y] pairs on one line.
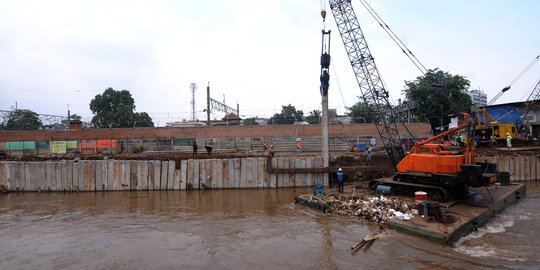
[[445, 174]]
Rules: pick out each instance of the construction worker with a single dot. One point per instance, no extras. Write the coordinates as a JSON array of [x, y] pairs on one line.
[[508, 140], [298, 147], [340, 179], [269, 149], [461, 140], [195, 148], [493, 140]]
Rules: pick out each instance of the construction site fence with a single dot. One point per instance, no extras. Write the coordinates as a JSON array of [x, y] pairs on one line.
[[279, 144]]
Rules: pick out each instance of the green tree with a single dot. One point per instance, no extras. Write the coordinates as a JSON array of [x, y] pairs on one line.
[[115, 108], [23, 120], [142, 119], [71, 118], [314, 117], [250, 121], [363, 112], [438, 94], [288, 115]]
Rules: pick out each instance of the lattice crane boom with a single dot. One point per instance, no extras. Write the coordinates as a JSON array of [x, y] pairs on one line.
[[526, 113], [368, 77]]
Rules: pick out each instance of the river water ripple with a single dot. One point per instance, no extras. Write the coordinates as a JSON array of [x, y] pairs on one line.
[[237, 229]]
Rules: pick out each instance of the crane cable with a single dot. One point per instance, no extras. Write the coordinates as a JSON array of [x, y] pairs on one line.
[[339, 87], [395, 38], [524, 70]]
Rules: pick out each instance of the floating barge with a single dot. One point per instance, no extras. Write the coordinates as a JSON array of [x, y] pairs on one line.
[[467, 218]]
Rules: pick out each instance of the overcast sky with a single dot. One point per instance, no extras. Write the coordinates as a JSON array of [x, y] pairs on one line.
[[261, 54]]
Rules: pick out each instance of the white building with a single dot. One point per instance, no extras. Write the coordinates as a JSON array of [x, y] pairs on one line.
[[478, 97]]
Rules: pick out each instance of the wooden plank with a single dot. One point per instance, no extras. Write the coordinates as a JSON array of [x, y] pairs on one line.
[[90, 175], [202, 173], [237, 173], [537, 166], [260, 172], [110, 175], [526, 168], [243, 173], [117, 175], [248, 172], [55, 176], [80, 179], [216, 172], [99, 175], [126, 180], [189, 174], [288, 178], [223, 172], [274, 178], [176, 185], [67, 178], [212, 172], [151, 179], [206, 181], [229, 181], [75, 176], [300, 177], [3, 178], [7, 171], [47, 176], [281, 176], [104, 175], [145, 165], [164, 175], [157, 174], [183, 174], [309, 176], [58, 175], [29, 181], [254, 179], [196, 174], [170, 176], [133, 174]]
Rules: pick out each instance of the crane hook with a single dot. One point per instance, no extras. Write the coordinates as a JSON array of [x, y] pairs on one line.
[[323, 15]]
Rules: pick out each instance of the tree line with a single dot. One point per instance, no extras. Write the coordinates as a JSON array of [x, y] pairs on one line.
[[436, 94]]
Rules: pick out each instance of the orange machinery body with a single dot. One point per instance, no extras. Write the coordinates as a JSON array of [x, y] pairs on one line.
[[432, 158]]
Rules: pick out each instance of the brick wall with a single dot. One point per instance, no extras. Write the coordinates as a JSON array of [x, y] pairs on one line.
[[336, 130]]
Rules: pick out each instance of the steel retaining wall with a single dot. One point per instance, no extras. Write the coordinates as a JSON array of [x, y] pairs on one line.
[[111, 175]]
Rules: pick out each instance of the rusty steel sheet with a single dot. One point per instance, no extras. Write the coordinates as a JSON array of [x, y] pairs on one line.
[[3, 176], [229, 181], [89, 179], [202, 173], [189, 174], [183, 174], [243, 173], [170, 175], [110, 175], [196, 174], [237, 173]]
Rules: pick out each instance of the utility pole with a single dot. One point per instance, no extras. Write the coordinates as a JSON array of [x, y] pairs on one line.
[[208, 104], [325, 84], [193, 88]]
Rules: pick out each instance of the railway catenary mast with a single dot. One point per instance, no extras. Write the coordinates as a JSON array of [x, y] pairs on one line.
[[368, 77]]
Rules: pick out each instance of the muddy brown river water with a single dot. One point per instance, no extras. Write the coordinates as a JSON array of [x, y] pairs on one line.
[[237, 229]]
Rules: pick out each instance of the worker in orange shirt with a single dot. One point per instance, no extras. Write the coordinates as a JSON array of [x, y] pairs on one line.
[[298, 147]]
